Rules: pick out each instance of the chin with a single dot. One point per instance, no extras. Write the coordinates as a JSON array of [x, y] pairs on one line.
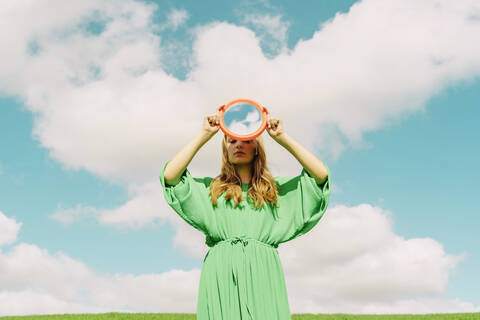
[[243, 161]]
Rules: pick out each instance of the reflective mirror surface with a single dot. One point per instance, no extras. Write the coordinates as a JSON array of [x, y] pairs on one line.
[[242, 118]]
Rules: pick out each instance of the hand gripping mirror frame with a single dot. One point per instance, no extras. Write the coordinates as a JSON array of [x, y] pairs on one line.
[[263, 112]]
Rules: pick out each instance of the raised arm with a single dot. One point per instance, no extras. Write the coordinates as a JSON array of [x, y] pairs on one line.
[[307, 159], [177, 165]]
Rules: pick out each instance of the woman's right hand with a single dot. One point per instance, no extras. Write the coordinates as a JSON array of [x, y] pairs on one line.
[[211, 123]]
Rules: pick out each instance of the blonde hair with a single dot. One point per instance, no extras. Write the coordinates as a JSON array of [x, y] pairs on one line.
[[262, 188]]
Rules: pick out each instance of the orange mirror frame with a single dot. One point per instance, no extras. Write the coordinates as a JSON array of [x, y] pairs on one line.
[[263, 111]]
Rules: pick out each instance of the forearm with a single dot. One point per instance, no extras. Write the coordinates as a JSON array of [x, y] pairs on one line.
[[307, 159], [177, 165]]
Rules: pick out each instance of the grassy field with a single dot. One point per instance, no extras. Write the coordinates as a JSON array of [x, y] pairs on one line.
[[177, 316]]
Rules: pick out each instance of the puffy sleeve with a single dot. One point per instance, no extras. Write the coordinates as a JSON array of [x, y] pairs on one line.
[[190, 198], [302, 203]]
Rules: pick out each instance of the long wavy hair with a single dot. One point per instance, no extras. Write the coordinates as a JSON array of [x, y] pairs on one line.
[[262, 188]]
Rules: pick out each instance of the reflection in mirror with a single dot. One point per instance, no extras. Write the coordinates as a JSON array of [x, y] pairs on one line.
[[242, 118]]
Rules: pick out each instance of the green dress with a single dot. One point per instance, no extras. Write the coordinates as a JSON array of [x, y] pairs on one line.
[[242, 276]]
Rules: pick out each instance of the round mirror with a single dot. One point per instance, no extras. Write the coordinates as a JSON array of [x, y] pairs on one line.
[[243, 119]]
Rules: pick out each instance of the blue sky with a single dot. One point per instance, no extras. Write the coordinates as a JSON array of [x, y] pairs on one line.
[[400, 145]]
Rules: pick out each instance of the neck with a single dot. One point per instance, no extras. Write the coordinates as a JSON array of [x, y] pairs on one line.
[[245, 172]]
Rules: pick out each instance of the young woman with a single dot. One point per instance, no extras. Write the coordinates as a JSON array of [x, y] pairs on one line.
[[245, 214]]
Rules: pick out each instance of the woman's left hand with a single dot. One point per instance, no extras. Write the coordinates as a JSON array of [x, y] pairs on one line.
[[274, 127]]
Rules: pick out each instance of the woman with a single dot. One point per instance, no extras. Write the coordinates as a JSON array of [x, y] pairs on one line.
[[245, 213]]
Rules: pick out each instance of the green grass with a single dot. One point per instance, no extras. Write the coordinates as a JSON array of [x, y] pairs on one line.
[[189, 316]]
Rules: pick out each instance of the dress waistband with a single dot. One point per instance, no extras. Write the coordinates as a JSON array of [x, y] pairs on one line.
[[244, 241]]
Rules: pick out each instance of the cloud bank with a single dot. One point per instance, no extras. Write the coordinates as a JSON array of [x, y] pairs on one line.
[[352, 262]]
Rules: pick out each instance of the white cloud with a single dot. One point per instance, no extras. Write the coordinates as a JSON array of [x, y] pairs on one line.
[[271, 30], [37, 282], [352, 262], [146, 208], [69, 215], [29, 302], [176, 18], [143, 209], [351, 77], [8, 229]]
